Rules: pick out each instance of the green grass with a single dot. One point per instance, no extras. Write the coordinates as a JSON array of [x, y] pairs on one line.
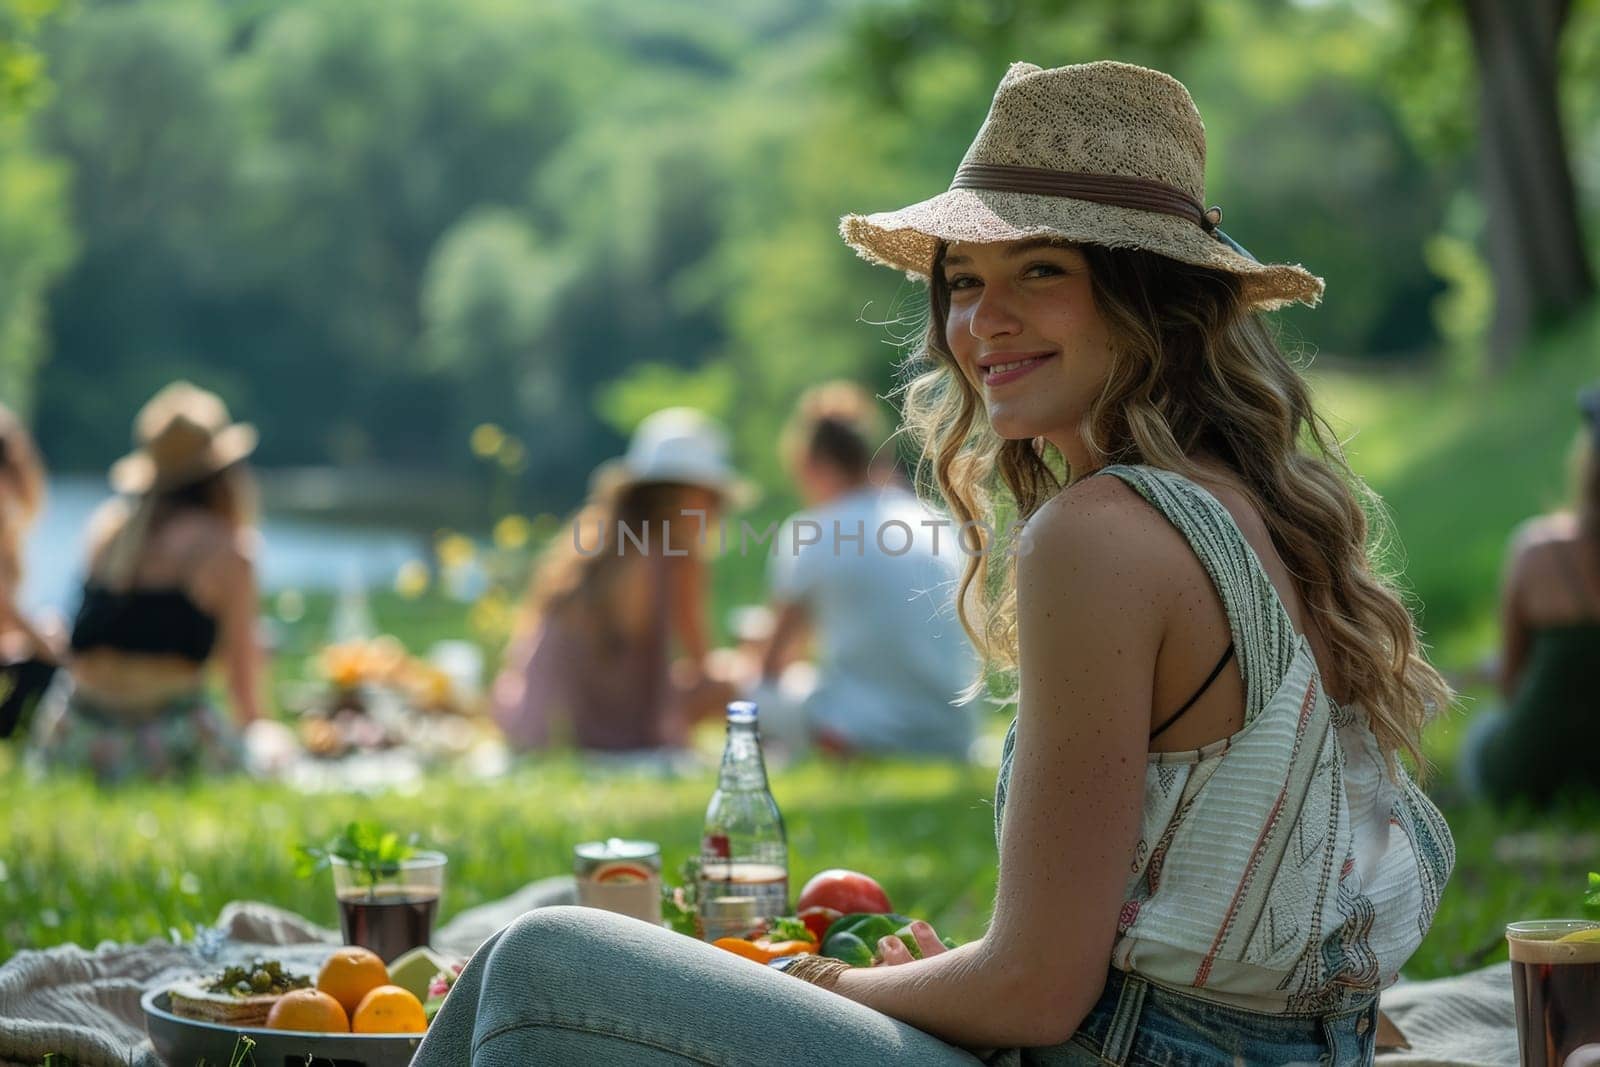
[[1459, 464], [152, 861]]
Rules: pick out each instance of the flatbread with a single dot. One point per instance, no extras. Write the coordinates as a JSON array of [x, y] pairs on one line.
[[193, 1000]]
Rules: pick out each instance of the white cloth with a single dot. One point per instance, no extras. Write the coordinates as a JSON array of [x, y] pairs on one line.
[[876, 572], [1468, 1020]]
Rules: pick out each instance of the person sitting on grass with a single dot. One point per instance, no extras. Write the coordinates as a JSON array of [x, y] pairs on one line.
[[860, 571], [1550, 643], [27, 654], [615, 594], [1210, 852], [171, 588]]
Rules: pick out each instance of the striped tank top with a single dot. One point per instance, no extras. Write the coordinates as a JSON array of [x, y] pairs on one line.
[[1281, 869]]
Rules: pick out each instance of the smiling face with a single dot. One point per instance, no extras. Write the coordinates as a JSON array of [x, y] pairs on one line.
[[1025, 331]]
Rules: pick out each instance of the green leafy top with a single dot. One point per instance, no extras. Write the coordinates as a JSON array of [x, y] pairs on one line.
[[678, 902], [367, 847], [788, 928], [1591, 899]]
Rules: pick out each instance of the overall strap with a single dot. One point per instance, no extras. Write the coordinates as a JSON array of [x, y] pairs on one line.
[[1264, 637]]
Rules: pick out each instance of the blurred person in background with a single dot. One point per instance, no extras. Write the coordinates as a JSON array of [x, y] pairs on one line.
[[892, 661], [1550, 643], [171, 587], [620, 592], [27, 655]]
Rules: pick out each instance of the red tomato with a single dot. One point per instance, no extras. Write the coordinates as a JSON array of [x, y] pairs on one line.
[[818, 919], [845, 892]]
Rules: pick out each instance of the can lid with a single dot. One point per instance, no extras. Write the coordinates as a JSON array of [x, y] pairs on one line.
[[730, 908], [615, 848], [742, 711]]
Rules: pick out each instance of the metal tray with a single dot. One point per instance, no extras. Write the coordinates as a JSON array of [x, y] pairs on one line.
[[184, 1042]]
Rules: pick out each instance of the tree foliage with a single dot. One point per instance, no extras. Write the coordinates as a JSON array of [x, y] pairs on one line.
[[35, 241], [376, 224]]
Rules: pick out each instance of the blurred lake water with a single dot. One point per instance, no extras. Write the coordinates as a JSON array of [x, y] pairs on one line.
[[297, 553]]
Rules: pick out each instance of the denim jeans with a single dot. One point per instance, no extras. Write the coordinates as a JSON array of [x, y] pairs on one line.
[[1139, 1024], [566, 985]]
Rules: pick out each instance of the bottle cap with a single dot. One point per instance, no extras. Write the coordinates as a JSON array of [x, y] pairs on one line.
[[742, 711]]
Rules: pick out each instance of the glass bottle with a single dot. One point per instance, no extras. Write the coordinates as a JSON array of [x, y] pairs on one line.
[[744, 852]]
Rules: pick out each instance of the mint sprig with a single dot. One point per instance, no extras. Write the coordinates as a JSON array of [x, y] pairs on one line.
[[367, 847], [1591, 899]]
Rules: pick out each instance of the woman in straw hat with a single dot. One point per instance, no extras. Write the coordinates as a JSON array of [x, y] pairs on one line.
[[617, 591], [1209, 852], [171, 586]]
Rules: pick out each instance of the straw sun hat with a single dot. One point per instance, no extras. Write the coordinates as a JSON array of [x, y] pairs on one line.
[[184, 434], [1101, 153]]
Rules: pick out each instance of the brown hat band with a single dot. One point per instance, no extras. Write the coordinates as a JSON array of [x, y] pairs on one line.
[[1117, 190]]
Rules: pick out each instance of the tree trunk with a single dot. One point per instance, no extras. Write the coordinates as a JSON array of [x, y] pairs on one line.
[[1537, 255]]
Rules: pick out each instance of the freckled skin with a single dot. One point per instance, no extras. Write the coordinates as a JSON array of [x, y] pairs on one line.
[[1020, 298]]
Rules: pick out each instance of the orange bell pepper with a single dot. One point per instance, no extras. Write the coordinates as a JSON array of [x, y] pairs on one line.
[[761, 950]]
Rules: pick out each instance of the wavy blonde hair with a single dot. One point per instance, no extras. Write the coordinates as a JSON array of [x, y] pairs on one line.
[[1194, 371]]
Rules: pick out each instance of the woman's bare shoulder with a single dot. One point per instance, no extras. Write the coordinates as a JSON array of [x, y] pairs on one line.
[[1100, 522], [218, 554], [106, 520]]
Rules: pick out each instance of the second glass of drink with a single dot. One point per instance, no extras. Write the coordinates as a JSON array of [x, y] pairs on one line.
[[1555, 980]]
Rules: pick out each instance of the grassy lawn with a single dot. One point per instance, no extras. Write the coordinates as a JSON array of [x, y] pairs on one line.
[[150, 861], [1459, 466]]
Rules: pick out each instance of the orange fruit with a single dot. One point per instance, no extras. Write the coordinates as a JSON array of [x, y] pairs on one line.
[[389, 1010], [308, 1009], [350, 974]]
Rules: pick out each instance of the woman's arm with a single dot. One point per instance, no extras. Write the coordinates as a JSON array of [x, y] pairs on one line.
[[240, 646], [1091, 614], [1513, 617], [792, 620], [686, 589], [12, 620]]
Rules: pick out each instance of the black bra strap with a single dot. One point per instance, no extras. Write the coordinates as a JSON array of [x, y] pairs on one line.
[[1198, 693]]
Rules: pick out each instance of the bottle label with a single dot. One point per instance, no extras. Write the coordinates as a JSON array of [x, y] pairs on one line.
[[621, 871], [715, 846]]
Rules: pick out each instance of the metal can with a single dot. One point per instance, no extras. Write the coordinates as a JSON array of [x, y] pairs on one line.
[[620, 876], [728, 917]]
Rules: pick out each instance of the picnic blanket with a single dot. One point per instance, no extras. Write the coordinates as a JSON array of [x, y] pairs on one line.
[[84, 1003], [1464, 1021]]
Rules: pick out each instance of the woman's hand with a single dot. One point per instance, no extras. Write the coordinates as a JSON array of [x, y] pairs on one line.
[[893, 950]]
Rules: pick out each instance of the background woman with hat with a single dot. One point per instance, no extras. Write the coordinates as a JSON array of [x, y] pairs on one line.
[[618, 591], [1209, 851], [171, 587]]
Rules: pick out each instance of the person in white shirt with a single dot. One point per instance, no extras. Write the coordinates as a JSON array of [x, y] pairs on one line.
[[868, 571]]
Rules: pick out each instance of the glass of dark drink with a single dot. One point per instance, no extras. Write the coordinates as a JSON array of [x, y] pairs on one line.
[[389, 909], [1555, 978]]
